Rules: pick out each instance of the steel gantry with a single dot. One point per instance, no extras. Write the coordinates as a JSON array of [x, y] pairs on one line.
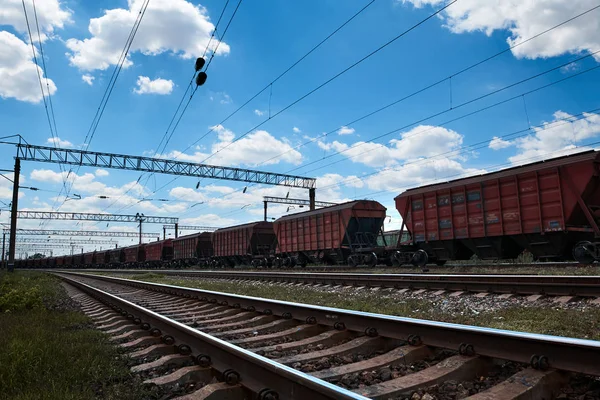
[[296, 202], [76, 216], [178, 228], [158, 165], [50, 232], [62, 241], [87, 158]]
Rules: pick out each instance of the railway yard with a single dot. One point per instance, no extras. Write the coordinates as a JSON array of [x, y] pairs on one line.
[[448, 247]]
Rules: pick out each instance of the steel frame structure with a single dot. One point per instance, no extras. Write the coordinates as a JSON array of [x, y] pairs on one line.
[[158, 165], [87, 158], [76, 216], [178, 228], [62, 241], [50, 232], [297, 202]]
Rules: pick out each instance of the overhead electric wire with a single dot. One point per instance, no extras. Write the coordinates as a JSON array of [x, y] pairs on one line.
[[109, 88], [395, 102], [381, 47], [328, 81], [475, 146], [49, 113], [462, 105], [281, 75], [419, 91], [495, 104], [497, 167], [185, 93]]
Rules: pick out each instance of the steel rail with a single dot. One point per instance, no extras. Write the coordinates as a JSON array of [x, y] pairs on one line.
[[568, 354], [254, 370], [551, 285]]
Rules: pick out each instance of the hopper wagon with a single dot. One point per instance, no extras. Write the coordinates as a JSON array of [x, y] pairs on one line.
[[159, 252], [247, 244], [549, 208], [192, 249], [332, 235]]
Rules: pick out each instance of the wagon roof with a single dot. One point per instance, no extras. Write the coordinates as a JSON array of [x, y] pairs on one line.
[[248, 225], [531, 167], [337, 207]]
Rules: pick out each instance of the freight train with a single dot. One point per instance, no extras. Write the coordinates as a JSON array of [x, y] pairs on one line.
[[550, 209]]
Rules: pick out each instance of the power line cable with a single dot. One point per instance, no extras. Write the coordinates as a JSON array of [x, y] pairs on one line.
[[448, 78], [487, 107], [328, 81]]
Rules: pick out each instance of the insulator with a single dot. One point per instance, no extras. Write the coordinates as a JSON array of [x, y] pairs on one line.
[[201, 78], [199, 63]]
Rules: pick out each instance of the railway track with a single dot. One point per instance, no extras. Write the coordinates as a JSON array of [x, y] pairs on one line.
[[256, 347], [566, 287]]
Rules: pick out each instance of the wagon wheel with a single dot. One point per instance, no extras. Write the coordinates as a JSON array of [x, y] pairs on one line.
[[420, 258], [583, 253], [353, 260], [372, 260]]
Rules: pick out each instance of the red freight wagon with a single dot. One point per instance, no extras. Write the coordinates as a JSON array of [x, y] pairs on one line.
[[60, 261], [244, 244], [37, 262], [77, 260], [101, 258], [68, 260], [336, 234], [135, 254], [545, 207], [116, 257], [88, 258], [159, 252], [192, 249]]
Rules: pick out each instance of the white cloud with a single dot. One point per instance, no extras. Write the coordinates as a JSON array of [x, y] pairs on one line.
[[556, 137], [51, 14], [101, 172], [498, 144], [157, 86], [526, 19], [259, 113], [419, 172], [59, 143], [226, 99], [250, 150], [344, 130], [421, 141], [175, 26], [296, 130], [18, 72], [89, 79]]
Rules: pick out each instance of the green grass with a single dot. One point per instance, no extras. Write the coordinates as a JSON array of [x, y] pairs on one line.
[[535, 319], [48, 350]]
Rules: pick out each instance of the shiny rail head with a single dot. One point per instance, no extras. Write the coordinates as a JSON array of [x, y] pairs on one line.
[[549, 339], [299, 376]]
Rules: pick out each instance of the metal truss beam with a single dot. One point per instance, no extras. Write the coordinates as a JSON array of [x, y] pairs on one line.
[[312, 203], [191, 228], [49, 232], [297, 202], [43, 246], [62, 241], [75, 216], [158, 165]]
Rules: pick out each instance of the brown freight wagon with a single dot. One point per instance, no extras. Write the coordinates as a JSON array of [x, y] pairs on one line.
[[342, 233], [159, 253], [252, 243], [135, 255], [546, 208], [101, 258], [77, 260], [88, 259], [192, 249], [60, 261], [116, 258]]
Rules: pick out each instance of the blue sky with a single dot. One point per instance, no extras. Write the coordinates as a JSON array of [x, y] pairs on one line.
[[82, 40]]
